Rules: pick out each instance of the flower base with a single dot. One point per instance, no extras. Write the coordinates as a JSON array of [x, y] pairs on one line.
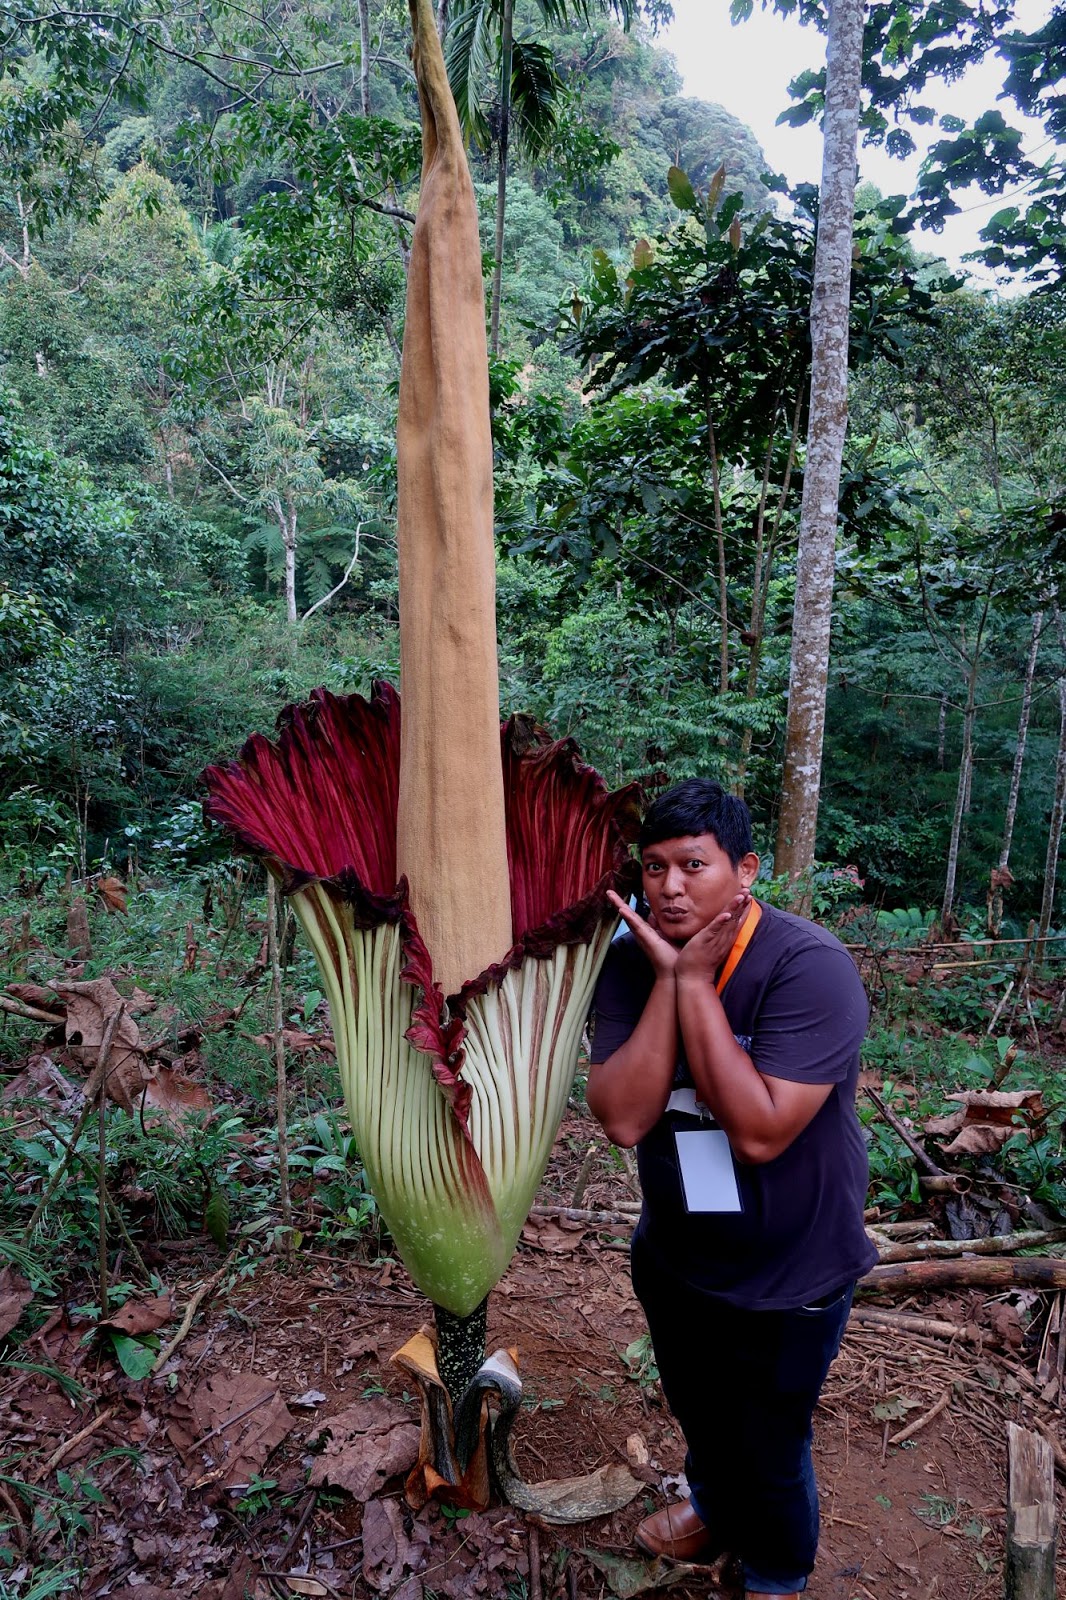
[[465, 1459]]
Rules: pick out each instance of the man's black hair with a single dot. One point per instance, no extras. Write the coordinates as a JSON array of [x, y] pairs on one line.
[[699, 805]]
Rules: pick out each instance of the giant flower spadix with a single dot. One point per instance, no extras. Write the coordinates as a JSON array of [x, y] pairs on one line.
[[454, 1100]]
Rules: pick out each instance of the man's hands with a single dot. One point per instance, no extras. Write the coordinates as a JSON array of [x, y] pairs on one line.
[[661, 954], [704, 952]]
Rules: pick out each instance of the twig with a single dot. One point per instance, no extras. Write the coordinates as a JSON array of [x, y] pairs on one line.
[[263, 1400], [16, 1526], [19, 1008], [920, 1154], [69, 1444], [920, 1422], [583, 1174], [113, 1206], [910, 1322], [294, 1538], [536, 1591], [190, 1311], [624, 1213]]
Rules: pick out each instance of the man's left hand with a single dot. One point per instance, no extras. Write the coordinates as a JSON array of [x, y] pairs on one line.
[[706, 950]]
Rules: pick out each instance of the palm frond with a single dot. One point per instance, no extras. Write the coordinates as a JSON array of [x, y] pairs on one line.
[[564, 13], [535, 90], [469, 55]]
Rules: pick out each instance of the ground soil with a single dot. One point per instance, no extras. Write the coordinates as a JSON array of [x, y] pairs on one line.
[[915, 1521]]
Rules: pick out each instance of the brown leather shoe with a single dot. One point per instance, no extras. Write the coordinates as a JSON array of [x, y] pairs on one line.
[[675, 1532]]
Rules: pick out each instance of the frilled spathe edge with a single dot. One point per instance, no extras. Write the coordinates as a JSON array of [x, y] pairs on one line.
[[319, 804]]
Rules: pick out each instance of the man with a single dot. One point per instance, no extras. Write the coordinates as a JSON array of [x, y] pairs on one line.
[[726, 1048]]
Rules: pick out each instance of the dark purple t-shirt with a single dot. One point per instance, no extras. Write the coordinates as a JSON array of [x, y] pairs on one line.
[[796, 1004]]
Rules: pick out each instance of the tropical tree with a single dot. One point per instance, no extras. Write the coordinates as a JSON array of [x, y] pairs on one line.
[[507, 88], [830, 300]]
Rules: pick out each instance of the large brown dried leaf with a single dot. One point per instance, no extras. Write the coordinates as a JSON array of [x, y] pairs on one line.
[[141, 1316], [89, 1008], [626, 1577], [112, 892], [252, 1419], [15, 1296], [987, 1119], [367, 1443], [35, 994]]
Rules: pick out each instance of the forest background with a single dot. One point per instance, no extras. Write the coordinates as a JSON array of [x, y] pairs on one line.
[[203, 236], [205, 218]]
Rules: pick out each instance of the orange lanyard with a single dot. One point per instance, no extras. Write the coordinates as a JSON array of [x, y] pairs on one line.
[[740, 944]]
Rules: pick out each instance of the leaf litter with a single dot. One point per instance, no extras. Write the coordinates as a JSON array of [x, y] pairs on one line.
[[281, 1405]]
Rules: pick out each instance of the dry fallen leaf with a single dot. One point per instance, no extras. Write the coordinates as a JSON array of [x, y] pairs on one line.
[[251, 1420], [626, 1577], [366, 1443], [387, 1551], [987, 1119], [89, 1008], [141, 1316], [15, 1296]]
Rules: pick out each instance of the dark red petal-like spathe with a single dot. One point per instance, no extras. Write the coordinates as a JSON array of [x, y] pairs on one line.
[[321, 801], [566, 833], [320, 805]]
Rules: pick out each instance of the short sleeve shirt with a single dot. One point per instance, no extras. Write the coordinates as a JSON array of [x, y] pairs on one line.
[[796, 1004]]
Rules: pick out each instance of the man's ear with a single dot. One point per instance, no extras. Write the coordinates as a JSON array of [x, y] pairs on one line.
[[748, 869]]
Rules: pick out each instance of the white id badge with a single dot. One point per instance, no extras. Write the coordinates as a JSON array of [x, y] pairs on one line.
[[707, 1173]]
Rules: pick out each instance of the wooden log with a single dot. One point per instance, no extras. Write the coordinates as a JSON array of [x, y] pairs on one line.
[[1031, 1530], [974, 1272], [996, 1244]]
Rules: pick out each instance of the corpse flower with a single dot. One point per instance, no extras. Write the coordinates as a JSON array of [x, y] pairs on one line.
[[450, 876], [454, 1100]]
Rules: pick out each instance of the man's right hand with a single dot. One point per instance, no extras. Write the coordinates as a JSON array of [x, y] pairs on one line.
[[662, 955]]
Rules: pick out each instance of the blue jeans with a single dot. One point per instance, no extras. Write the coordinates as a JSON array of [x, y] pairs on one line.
[[743, 1386]]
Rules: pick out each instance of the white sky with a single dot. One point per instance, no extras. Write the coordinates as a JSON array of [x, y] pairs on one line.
[[748, 68]]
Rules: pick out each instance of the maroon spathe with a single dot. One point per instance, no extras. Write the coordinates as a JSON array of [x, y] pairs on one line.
[[320, 802]]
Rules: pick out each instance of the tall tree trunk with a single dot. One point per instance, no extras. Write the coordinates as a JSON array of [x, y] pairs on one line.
[[961, 793], [364, 56], [999, 878], [506, 48], [808, 673], [1054, 839], [443, 9], [719, 530], [287, 524]]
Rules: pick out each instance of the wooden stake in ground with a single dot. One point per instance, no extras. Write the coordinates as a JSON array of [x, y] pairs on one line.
[[1031, 1530]]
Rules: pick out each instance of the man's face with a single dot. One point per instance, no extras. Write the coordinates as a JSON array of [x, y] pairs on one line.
[[688, 881]]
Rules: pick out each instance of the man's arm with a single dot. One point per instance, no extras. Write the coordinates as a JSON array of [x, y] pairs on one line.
[[628, 1092], [761, 1115]]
